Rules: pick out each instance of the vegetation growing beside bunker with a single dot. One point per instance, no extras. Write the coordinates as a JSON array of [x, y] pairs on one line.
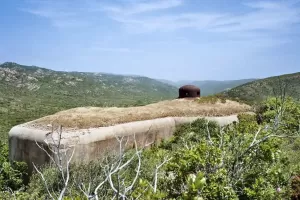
[[191, 165], [261, 162]]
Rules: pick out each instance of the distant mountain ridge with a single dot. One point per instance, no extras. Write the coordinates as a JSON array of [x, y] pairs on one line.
[[104, 87], [209, 87]]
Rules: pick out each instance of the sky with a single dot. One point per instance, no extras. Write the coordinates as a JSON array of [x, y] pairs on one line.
[[164, 39]]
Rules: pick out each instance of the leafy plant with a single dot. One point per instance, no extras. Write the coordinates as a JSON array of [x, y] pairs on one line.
[[12, 174]]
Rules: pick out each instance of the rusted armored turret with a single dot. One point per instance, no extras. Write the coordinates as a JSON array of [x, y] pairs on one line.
[[189, 91]]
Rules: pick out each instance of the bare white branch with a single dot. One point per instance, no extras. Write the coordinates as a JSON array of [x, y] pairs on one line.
[[44, 180], [208, 133], [156, 172]]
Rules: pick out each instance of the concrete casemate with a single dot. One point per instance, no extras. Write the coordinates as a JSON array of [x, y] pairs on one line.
[[91, 144]]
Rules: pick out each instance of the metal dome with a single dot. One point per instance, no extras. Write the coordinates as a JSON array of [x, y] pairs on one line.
[[189, 91]]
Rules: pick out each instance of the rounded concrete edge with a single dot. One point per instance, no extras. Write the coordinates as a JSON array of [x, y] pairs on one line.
[[103, 133], [27, 133], [127, 129], [91, 144]]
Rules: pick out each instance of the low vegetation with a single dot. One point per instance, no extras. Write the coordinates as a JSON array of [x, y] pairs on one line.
[[244, 160], [257, 158]]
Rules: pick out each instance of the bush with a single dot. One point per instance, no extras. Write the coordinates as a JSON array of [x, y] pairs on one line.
[[288, 110], [244, 173], [12, 175]]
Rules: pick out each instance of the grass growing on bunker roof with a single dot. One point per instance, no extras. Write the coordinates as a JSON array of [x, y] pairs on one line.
[[87, 117]]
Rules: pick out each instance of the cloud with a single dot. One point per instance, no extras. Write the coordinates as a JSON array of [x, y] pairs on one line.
[[47, 13], [140, 16], [142, 7], [263, 4], [266, 16], [169, 22], [61, 14], [64, 14], [262, 16]]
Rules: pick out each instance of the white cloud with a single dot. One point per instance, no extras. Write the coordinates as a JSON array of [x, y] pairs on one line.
[[65, 14], [142, 7], [49, 13], [169, 22], [269, 16], [62, 14], [263, 4], [139, 16], [266, 16]]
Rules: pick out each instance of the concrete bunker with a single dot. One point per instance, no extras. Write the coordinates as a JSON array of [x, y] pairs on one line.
[[93, 130], [91, 144], [189, 91]]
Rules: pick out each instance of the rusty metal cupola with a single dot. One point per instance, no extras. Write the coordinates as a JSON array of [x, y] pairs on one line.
[[189, 91]]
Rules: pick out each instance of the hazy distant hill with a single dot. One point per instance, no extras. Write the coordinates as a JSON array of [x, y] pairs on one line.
[[210, 87], [28, 92], [260, 89]]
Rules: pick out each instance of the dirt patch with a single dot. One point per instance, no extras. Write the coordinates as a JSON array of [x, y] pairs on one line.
[[88, 117]]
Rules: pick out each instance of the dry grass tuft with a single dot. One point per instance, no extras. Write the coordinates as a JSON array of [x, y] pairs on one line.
[[212, 99], [87, 117]]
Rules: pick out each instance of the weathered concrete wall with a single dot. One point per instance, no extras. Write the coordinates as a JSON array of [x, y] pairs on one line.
[[91, 144]]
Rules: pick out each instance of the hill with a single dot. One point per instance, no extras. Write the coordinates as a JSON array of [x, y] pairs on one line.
[[210, 87], [30, 92], [256, 91]]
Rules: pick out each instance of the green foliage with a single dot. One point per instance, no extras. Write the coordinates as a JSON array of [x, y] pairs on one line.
[[37, 185], [201, 161], [246, 171], [195, 162], [12, 174], [247, 123], [143, 189], [287, 109], [20, 195]]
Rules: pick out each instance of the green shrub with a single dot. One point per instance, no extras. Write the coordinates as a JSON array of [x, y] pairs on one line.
[[243, 160], [288, 110], [12, 174]]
